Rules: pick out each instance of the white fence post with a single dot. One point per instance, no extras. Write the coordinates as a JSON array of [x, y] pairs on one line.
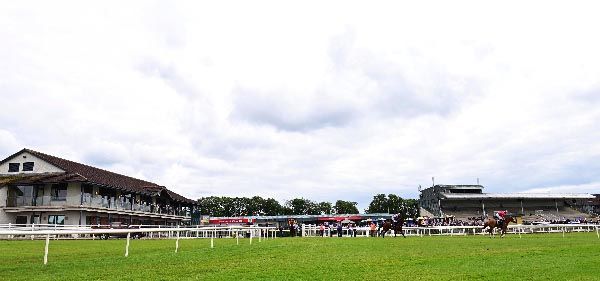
[[212, 239], [177, 241], [46, 249], [127, 245]]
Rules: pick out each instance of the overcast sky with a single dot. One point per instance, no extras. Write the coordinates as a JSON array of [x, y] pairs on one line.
[[326, 101]]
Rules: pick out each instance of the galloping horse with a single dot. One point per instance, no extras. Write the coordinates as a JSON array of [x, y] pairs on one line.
[[492, 223], [397, 227]]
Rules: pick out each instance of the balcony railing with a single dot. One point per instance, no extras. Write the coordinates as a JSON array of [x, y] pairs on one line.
[[124, 204], [89, 200]]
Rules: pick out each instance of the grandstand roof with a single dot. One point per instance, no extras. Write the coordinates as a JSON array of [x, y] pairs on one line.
[[517, 196]]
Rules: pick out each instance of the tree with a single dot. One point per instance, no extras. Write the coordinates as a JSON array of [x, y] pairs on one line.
[[412, 208], [298, 206], [324, 208], [271, 207], [345, 207], [394, 204], [255, 206], [378, 204], [211, 206]]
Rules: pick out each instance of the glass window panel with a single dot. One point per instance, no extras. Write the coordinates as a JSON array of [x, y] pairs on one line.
[[13, 167], [28, 166], [60, 220]]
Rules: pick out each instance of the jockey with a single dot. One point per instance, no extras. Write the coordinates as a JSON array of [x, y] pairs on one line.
[[500, 215], [395, 218]]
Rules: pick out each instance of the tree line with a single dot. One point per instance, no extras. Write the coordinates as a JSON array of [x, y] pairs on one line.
[[252, 206]]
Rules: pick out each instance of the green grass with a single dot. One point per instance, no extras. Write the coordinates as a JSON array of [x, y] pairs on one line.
[[533, 257]]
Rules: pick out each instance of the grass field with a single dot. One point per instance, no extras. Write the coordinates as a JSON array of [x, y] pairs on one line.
[[533, 257]]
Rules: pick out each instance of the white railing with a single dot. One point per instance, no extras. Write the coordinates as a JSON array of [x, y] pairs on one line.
[[32, 231], [149, 231], [171, 232], [314, 230]]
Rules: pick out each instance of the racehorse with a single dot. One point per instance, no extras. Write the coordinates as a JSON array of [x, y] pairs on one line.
[[396, 226], [492, 223]]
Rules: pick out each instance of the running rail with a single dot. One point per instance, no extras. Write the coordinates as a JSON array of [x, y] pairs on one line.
[[269, 232]]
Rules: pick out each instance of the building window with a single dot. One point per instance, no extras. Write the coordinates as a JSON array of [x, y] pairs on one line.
[[87, 188], [21, 220], [27, 166], [58, 192], [56, 219], [13, 167]]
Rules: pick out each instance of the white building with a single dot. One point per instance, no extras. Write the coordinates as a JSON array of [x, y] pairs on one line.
[[40, 188]]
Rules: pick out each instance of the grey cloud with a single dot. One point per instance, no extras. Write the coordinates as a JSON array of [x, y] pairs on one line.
[[286, 114], [396, 95], [590, 95]]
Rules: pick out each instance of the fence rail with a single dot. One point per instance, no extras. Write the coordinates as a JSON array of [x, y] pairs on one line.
[[314, 230], [24, 231], [170, 232]]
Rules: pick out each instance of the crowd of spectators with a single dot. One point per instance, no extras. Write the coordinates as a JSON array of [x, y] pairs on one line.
[[339, 229]]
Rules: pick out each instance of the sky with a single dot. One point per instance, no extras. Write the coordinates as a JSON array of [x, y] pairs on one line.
[[326, 101]]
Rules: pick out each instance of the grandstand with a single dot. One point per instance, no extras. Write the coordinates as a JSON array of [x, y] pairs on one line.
[[465, 201]]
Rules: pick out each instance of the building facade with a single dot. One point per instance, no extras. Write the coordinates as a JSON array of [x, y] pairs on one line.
[[470, 201], [43, 189]]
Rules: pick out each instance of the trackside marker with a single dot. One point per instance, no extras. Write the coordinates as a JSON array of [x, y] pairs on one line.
[[46, 249], [177, 242], [127, 245]]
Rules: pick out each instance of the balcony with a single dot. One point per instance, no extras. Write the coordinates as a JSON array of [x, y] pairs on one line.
[[88, 200], [125, 205], [23, 201]]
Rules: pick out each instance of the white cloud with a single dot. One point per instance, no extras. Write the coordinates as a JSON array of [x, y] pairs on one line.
[[322, 100]]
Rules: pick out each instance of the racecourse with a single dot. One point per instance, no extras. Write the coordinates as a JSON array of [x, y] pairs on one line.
[[532, 257]]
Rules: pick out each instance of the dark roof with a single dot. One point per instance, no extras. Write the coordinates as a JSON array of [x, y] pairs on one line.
[[459, 186], [41, 178], [517, 195], [80, 172]]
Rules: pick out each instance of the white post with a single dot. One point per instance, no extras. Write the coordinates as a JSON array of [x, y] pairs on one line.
[[563, 231], [597, 232], [127, 246], [520, 232], [237, 237], [46, 249], [259, 234], [212, 239], [250, 237], [32, 229], [177, 241]]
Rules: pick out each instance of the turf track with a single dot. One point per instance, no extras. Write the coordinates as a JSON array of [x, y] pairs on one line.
[[533, 257]]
